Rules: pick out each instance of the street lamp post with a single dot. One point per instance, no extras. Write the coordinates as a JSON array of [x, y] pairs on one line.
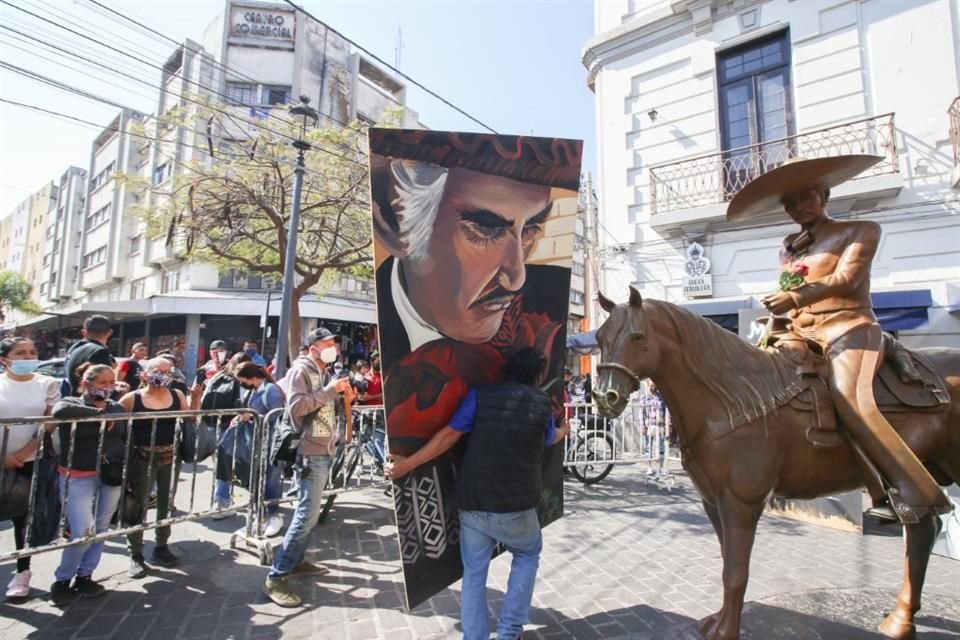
[[308, 118]]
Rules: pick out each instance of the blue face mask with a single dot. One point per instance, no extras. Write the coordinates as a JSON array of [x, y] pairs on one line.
[[251, 352], [23, 367]]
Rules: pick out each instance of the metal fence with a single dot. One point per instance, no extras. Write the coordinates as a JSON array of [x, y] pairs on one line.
[[141, 457], [359, 460]]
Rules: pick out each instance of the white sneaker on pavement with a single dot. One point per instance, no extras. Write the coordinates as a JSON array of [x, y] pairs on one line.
[[220, 514], [19, 587], [274, 526]]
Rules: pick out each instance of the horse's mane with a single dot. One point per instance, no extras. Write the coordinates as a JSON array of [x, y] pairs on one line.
[[750, 382]]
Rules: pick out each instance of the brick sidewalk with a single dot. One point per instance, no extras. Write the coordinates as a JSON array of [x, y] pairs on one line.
[[630, 559]]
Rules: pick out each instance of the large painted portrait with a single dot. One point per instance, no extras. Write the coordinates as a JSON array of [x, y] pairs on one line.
[[473, 242]]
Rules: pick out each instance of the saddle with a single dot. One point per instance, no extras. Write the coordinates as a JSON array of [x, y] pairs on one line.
[[905, 382]]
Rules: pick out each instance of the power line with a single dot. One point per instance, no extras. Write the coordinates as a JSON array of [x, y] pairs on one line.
[[229, 69], [393, 68], [161, 68], [62, 86]]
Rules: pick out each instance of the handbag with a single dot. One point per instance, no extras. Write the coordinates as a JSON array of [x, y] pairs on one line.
[[46, 501], [197, 441], [111, 470], [14, 494]]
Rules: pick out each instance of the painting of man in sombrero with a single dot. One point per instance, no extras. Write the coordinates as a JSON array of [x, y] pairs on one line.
[[469, 269]]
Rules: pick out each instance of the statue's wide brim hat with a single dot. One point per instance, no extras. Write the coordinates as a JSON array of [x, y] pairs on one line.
[[764, 194], [553, 162]]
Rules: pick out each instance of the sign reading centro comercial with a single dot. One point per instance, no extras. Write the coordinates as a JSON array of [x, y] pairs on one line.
[[268, 25]]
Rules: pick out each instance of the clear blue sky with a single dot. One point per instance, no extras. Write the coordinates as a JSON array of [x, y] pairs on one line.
[[514, 64]]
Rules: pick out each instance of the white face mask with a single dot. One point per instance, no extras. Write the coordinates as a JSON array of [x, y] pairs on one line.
[[328, 355], [221, 356]]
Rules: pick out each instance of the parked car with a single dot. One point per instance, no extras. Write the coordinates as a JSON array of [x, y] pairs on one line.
[[53, 368]]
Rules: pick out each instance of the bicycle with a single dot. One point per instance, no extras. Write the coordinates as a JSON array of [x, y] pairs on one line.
[[590, 450], [348, 455]]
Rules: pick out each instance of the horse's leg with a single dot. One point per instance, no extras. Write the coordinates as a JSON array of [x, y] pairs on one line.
[[919, 543], [708, 625], [738, 522]]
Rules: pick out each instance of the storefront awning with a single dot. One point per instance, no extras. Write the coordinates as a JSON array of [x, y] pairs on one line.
[[901, 310], [584, 343]]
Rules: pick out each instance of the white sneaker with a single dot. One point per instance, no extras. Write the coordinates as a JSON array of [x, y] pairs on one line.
[[221, 514], [651, 473], [19, 587], [274, 526]]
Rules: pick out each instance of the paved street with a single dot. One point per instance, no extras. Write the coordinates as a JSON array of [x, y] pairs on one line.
[[630, 560]]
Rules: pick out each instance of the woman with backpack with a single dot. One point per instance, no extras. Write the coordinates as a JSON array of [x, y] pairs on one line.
[[264, 395], [80, 486], [22, 393], [223, 391]]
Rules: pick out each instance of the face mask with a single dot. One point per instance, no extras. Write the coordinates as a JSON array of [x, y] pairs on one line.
[[23, 367], [221, 356], [96, 393], [158, 379], [251, 352], [328, 355]]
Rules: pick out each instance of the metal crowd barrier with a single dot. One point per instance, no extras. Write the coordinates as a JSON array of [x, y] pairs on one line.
[[197, 508], [637, 435], [252, 537]]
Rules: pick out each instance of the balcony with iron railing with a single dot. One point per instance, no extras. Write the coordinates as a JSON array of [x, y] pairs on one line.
[[954, 114], [697, 190]]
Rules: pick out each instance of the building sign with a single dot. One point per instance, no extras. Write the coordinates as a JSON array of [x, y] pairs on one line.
[[697, 281], [268, 25]]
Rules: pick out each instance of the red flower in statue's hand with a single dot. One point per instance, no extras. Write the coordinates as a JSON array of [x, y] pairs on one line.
[[801, 270]]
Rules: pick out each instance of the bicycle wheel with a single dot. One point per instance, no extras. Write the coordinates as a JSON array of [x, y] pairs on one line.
[[591, 456], [346, 462], [335, 479]]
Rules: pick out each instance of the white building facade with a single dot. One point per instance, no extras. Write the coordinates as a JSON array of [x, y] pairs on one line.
[[697, 97]]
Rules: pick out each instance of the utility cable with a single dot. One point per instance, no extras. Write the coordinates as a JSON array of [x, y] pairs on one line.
[[392, 68]]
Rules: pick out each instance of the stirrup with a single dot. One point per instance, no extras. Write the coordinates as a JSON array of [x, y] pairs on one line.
[[905, 512]]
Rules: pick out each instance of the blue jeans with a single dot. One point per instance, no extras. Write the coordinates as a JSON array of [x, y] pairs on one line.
[[271, 490], [480, 531], [82, 559], [309, 504]]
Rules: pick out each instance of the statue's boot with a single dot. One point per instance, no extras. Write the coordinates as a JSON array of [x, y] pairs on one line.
[[876, 486], [854, 359]]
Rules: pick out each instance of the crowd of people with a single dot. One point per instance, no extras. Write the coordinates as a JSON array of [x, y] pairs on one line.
[[91, 455]]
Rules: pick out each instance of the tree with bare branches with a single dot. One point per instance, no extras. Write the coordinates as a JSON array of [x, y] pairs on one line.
[[230, 205]]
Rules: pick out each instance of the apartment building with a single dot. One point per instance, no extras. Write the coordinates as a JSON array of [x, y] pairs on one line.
[[695, 98], [63, 239], [255, 58], [22, 242]]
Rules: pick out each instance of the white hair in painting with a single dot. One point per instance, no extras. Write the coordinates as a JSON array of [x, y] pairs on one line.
[[419, 188]]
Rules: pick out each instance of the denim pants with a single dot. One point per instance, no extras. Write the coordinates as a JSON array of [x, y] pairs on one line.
[[309, 503], [271, 490], [82, 559], [480, 531]]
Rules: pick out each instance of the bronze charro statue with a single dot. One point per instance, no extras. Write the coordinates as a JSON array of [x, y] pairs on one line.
[[807, 418], [829, 308]]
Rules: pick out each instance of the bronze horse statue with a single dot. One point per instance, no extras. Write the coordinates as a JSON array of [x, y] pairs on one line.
[[743, 442]]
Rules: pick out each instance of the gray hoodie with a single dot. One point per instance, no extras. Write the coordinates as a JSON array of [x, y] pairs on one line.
[[313, 404]]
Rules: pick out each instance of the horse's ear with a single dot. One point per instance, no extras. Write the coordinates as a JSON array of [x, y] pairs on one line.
[[636, 300], [605, 303]]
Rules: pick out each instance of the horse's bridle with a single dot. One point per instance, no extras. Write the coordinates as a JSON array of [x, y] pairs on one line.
[[616, 366]]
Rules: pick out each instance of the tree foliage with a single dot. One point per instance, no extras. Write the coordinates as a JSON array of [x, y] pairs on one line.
[[15, 295], [231, 205]]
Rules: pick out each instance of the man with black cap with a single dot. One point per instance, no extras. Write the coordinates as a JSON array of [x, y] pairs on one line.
[[316, 403], [218, 359]]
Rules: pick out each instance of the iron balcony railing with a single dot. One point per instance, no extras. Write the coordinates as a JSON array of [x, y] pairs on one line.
[[954, 113], [717, 177]]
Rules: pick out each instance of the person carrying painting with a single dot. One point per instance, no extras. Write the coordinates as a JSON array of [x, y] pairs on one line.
[[498, 486]]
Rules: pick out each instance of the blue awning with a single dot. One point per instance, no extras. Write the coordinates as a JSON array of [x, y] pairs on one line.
[[901, 310], [584, 343]]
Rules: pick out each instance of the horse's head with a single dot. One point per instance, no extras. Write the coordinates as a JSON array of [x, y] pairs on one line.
[[627, 353]]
